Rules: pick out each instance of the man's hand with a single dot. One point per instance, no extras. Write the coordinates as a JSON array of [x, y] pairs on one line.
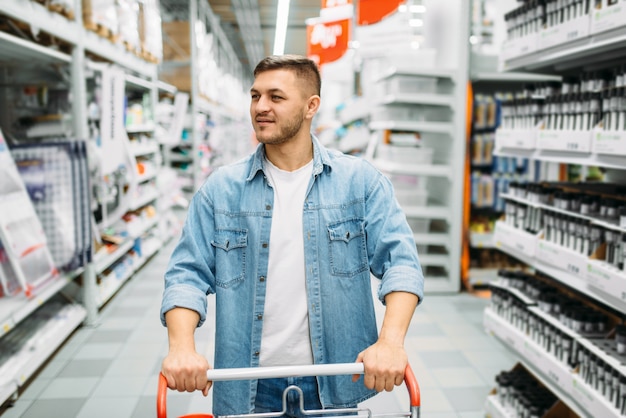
[[186, 372], [384, 366], [184, 369], [385, 361]]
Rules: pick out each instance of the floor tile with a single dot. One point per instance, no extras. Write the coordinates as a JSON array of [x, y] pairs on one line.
[[467, 399], [425, 329], [53, 367], [143, 349], [54, 408], [69, 387], [120, 387], [132, 366], [474, 414], [420, 344], [16, 410], [98, 351], [433, 400], [480, 358], [34, 388], [85, 368], [109, 336], [176, 406], [444, 359], [459, 377], [109, 407]]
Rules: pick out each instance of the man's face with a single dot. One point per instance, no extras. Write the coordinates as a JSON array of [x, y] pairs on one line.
[[278, 106]]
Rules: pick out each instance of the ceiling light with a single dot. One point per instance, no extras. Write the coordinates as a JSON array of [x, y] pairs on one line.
[[282, 17]]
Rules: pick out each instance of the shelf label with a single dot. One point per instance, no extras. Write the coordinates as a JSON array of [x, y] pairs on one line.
[[566, 141], [516, 240], [592, 401], [564, 33], [609, 142], [609, 17], [562, 258], [607, 278], [516, 138], [514, 48]]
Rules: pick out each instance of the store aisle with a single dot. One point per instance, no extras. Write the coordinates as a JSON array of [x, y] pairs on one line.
[[110, 371]]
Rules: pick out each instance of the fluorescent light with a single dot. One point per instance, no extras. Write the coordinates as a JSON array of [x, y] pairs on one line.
[[417, 8], [282, 17], [416, 23]]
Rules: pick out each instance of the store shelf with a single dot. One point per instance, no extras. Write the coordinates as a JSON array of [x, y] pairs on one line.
[[145, 198], [144, 149], [431, 212], [481, 240], [512, 77], [598, 47], [432, 239], [139, 82], [422, 127], [147, 176], [46, 339], [427, 259], [145, 127], [166, 87], [418, 99], [482, 276], [494, 409], [441, 73], [589, 277], [40, 17], [435, 170], [22, 52], [553, 374], [105, 262], [14, 310], [515, 292], [591, 159]]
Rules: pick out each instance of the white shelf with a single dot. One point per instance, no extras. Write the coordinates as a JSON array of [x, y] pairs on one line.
[[482, 276], [433, 238], [481, 240], [434, 170], [572, 54], [145, 198], [166, 87], [555, 375], [19, 52], [139, 82], [421, 72], [14, 310], [427, 259], [104, 262], [144, 127], [418, 99], [431, 212], [592, 159], [513, 77], [422, 127], [144, 149], [589, 277], [147, 176], [494, 409], [515, 292], [7, 391]]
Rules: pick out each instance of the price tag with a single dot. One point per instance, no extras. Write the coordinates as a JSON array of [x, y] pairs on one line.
[[608, 17], [566, 32], [562, 258], [607, 142], [568, 141]]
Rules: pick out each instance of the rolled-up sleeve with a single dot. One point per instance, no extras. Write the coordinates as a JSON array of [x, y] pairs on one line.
[[189, 277]]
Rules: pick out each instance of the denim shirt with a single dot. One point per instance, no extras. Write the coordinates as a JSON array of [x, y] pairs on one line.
[[353, 227]]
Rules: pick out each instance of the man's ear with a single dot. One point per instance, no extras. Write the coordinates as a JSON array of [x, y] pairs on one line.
[[313, 105]]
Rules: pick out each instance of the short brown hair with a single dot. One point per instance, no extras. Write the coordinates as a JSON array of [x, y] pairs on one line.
[[302, 66]]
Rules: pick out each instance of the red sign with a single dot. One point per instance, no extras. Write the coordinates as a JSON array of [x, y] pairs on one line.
[[327, 41], [373, 11], [327, 4]]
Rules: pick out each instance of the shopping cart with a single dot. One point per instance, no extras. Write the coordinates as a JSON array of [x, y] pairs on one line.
[[294, 371]]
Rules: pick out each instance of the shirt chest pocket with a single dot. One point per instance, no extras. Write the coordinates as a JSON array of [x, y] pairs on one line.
[[230, 256], [348, 253]]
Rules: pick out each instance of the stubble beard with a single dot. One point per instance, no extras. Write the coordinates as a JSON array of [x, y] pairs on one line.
[[285, 133]]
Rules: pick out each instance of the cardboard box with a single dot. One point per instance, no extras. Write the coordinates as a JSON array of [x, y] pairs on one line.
[[176, 41]]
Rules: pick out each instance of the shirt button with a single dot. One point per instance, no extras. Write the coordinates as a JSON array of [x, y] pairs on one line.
[[262, 278], [264, 245], [256, 354], [268, 207], [259, 317]]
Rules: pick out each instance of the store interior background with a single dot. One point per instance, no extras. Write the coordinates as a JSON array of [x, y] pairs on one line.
[[504, 135]]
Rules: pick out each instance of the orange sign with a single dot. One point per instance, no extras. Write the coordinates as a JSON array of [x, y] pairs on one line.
[[327, 41], [373, 11], [327, 4]]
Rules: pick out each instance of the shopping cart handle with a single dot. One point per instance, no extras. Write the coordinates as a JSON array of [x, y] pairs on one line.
[[253, 373]]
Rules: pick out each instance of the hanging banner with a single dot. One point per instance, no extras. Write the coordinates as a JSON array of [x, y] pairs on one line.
[[327, 41], [373, 11]]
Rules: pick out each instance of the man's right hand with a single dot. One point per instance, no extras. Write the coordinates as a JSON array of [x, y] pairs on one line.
[[186, 372]]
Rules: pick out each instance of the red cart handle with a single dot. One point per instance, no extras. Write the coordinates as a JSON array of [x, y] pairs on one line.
[[254, 373]]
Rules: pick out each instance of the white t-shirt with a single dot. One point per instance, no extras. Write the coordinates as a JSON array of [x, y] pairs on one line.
[[285, 339]]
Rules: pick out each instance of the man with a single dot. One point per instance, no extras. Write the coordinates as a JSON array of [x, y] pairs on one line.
[[286, 239]]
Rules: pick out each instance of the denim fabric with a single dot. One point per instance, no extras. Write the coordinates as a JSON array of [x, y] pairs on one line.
[[270, 392], [353, 227]]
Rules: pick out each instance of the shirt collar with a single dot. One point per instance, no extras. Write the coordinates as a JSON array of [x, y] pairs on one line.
[[321, 159]]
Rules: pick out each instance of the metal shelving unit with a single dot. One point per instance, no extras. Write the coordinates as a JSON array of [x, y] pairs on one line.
[[598, 41], [20, 310]]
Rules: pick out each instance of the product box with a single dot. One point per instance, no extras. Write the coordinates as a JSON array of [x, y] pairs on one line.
[[176, 41], [100, 16]]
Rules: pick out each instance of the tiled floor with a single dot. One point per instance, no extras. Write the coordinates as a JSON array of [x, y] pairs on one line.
[[110, 371]]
